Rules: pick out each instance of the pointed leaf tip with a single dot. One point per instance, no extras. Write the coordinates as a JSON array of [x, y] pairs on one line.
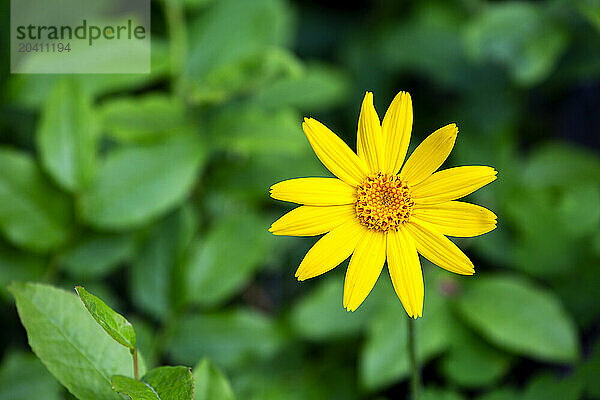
[[112, 322]]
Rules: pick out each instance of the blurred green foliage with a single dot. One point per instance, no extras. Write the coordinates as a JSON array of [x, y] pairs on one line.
[[152, 191]]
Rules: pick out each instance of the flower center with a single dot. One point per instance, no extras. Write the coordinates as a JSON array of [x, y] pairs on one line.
[[383, 202]]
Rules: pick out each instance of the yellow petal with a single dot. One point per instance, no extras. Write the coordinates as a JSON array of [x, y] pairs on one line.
[[314, 191], [364, 268], [334, 153], [331, 250], [452, 183], [405, 271], [369, 139], [429, 155], [397, 126], [456, 218], [312, 220], [438, 249]]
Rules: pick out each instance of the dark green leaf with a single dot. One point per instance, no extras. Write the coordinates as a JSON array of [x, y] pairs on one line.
[[440, 394], [247, 178], [251, 130], [162, 383], [578, 210], [112, 322], [319, 315], [143, 119], [23, 377], [289, 377], [152, 273], [471, 362], [561, 164], [222, 262], [97, 255], [515, 314], [519, 35], [548, 386], [315, 88], [500, 394], [221, 59], [137, 184], [67, 339], [33, 214], [197, 4], [590, 9], [535, 211], [230, 338], [586, 375], [67, 135], [421, 44], [16, 265], [210, 383], [30, 90]]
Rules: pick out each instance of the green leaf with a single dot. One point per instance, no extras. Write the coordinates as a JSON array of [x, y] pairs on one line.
[[251, 130], [134, 389], [289, 376], [67, 135], [521, 36], [196, 4], [162, 383], [221, 263], [517, 315], [137, 184], [591, 369], [222, 60], [316, 88], [560, 164], [30, 90], [548, 386], [383, 357], [152, 273], [507, 393], [33, 214], [440, 394], [97, 255], [590, 9], [143, 119], [579, 209], [16, 265], [471, 362], [23, 377], [67, 340], [578, 292], [112, 322], [319, 315], [432, 37], [210, 383], [535, 211], [232, 338]]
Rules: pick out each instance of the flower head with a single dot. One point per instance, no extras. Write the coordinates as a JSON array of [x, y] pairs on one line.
[[380, 207]]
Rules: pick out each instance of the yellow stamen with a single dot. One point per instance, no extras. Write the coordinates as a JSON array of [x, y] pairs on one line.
[[383, 202]]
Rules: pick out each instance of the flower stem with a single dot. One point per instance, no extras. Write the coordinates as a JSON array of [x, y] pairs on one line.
[[136, 372], [415, 374]]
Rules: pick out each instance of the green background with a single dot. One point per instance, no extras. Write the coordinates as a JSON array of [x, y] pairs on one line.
[[152, 192]]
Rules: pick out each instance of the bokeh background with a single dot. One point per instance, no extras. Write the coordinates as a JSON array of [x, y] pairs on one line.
[[160, 205]]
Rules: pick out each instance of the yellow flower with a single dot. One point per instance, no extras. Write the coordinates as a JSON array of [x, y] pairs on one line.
[[377, 209]]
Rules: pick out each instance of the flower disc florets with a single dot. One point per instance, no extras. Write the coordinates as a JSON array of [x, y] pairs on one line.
[[383, 202]]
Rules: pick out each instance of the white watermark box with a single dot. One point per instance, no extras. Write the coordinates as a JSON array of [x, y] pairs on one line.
[[80, 36]]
